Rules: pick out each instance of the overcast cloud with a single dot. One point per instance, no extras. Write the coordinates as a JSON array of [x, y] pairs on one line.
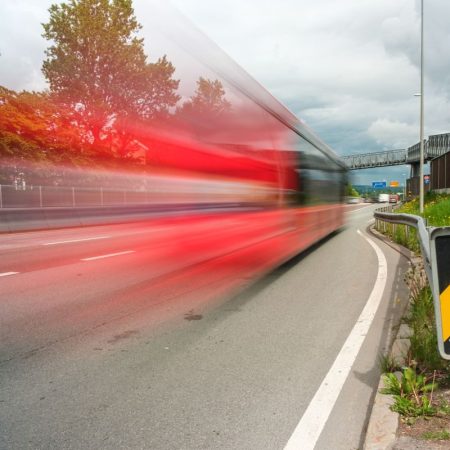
[[348, 68]]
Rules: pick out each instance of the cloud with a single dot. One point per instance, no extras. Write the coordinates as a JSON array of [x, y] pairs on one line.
[[393, 134]]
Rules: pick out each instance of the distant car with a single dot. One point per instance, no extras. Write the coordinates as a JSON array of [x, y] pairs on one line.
[[352, 200]]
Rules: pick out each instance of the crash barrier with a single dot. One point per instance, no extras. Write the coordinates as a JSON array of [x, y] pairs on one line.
[[435, 248]]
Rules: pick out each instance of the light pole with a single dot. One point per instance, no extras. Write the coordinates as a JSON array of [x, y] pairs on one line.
[[421, 191]]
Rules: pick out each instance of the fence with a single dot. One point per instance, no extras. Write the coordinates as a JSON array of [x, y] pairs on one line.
[[62, 196], [440, 172]]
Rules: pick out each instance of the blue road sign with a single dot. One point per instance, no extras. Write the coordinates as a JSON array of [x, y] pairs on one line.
[[378, 184]]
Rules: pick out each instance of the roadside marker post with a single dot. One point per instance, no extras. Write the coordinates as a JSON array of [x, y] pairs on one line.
[[440, 269]]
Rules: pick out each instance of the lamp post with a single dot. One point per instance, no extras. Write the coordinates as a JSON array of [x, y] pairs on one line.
[[421, 186]]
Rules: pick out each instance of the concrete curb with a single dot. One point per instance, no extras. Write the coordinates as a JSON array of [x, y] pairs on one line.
[[383, 423]]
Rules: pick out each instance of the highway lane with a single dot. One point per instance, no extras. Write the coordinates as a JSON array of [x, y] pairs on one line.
[[95, 356]]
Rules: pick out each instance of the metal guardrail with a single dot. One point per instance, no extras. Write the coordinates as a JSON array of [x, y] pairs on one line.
[[416, 222], [437, 271]]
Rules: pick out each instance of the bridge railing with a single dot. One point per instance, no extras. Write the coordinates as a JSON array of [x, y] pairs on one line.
[[438, 145], [377, 159]]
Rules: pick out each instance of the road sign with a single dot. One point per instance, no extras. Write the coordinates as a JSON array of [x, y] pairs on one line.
[[378, 184], [426, 179], [394, 184], [440, 264]]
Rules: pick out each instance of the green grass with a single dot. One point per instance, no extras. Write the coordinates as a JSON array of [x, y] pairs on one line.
[[443, 435], [436, 211], [424, 339]]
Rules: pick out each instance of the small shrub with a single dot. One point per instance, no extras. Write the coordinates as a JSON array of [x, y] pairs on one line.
[[409, 393]]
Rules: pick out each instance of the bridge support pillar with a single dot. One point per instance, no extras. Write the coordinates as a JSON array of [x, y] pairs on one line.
[[415, 169]]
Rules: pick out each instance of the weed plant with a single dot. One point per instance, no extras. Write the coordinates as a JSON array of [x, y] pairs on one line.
[[409, 393]]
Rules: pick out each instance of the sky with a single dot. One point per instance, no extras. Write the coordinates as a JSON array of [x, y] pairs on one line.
[[348, 68]]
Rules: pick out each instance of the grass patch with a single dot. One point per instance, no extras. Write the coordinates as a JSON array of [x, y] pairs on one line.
[[436, 212], [424, 338], [387, 363], [443, 435]]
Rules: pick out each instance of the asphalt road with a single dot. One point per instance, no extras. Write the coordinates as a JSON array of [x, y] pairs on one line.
[[102, 348]]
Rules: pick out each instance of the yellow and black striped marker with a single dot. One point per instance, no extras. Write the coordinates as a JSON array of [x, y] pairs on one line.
[[442, 246]]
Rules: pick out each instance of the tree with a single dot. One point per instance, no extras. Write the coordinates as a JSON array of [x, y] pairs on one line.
[[97, 69], [32, 127], [208, 101], [350, 191]]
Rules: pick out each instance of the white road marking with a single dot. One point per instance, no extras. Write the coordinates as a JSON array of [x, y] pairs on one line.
[[5, 274], [92, 258], [358, 209], [77, 240], [308, 430]]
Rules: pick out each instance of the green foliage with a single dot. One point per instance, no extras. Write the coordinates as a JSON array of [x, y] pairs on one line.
[[97, 69], [409, 393], [436, 209], [424, 338], [408, 408], [208, 101], [350, 191], [33, 127]]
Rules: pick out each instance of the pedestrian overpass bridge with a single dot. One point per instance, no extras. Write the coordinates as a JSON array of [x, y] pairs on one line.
[[434, 146]]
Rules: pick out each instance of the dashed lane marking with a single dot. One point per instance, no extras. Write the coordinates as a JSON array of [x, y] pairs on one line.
[[77, 240], [92, 258], [308, 430]]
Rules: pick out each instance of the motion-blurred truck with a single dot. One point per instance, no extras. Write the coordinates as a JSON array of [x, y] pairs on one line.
[[383, 198]]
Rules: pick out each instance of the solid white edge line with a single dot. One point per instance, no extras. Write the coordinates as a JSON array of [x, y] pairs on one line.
[[76, 240], [308, 430], [5, 274], [92, 258]]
